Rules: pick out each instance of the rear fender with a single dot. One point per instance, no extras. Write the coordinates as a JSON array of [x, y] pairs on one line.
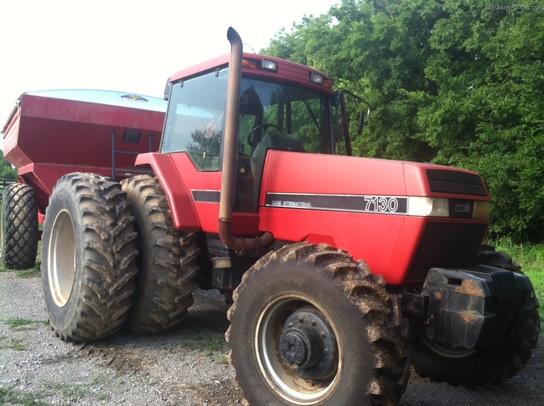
[[179, 197]]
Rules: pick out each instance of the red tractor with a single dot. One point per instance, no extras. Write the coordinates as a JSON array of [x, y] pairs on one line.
[[342, 271]]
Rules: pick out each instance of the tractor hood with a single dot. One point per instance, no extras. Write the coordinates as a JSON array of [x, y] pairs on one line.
[[357, 204], [301, 173]]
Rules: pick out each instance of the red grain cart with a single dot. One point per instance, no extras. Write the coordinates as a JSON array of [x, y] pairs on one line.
[[55, 132]]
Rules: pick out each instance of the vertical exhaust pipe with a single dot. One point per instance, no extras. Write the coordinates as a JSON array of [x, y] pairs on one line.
[[228, 182]]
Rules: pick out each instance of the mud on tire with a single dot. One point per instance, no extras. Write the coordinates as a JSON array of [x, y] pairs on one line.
[[167, 260], [19, 227], [311, 326], [88, 257]]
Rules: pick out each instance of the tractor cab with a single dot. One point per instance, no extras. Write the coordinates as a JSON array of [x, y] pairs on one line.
[[276, 111]]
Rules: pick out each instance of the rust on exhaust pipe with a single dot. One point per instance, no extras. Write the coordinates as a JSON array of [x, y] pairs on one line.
[[228, 182]]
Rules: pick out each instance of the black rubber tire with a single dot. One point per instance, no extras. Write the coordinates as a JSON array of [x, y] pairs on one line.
[[88, 257], [301, 278], [167, 260], [20, 227], [483, 368], [499, 259]]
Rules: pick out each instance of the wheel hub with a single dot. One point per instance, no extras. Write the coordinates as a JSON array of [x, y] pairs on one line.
[[307, 344], [300, 347]]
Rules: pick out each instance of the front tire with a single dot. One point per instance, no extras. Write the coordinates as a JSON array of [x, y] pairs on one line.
[[20, 227], [479, 368], [88, 257], [167, 260], [476, 368], [311, 326]]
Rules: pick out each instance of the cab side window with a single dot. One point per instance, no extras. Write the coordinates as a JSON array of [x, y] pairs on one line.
[[195, 119]]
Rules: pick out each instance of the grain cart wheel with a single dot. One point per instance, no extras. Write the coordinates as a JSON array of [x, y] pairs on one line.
[[167, 260], [475, 368], [20, 227], [88, 257], [311, 326]]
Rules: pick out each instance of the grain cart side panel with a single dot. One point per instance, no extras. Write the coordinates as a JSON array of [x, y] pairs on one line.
[[75, 127], [51, 133], [43, 177]]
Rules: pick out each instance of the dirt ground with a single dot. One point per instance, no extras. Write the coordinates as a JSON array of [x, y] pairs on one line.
[[188, 366]]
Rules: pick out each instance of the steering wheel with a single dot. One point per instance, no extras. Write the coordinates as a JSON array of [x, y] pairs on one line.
[[250, 137]]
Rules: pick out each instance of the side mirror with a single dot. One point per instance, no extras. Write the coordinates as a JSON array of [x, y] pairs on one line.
[[362, 121], [341, 103], [167, 89]]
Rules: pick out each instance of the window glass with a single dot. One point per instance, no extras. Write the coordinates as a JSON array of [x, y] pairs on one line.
[[195, 120], [268, 107], [272, 116]]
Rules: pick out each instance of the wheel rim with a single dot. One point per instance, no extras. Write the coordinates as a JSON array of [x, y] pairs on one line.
[[61, 258], [297, 350], [446, 350]]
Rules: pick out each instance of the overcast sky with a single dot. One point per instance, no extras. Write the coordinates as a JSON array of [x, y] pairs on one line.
[[127, 45]]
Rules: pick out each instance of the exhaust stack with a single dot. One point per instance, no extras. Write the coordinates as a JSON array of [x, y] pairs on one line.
[[228, 183]]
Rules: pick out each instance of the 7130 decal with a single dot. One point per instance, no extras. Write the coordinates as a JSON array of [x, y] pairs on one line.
[[382, 204], [351, 203]]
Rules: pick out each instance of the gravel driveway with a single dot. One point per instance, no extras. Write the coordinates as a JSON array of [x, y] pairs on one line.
[[185, 367]]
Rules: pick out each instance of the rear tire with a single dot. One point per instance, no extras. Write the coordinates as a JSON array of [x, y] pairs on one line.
[[167, 260], [88, 257], [311, 326], [20, 227]]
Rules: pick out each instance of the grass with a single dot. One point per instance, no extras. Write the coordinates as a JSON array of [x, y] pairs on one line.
[[70, 393], [11, 344], [18, 324], [213, 345], [33, 272], [18, 397], [74, 391]]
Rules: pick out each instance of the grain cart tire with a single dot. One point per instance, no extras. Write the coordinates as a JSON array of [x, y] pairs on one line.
[[20, 227], [311, 326], [88, 257], [479, 368], [167, 260]]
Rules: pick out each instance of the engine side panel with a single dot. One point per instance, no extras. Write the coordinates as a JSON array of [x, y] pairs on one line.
[[361, 205]]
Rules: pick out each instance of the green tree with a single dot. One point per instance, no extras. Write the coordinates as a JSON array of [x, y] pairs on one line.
[[377, 49], [487, 114], [458, 82], [6, 169]]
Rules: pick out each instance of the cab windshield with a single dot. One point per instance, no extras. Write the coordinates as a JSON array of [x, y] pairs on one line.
[[283, 116]]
